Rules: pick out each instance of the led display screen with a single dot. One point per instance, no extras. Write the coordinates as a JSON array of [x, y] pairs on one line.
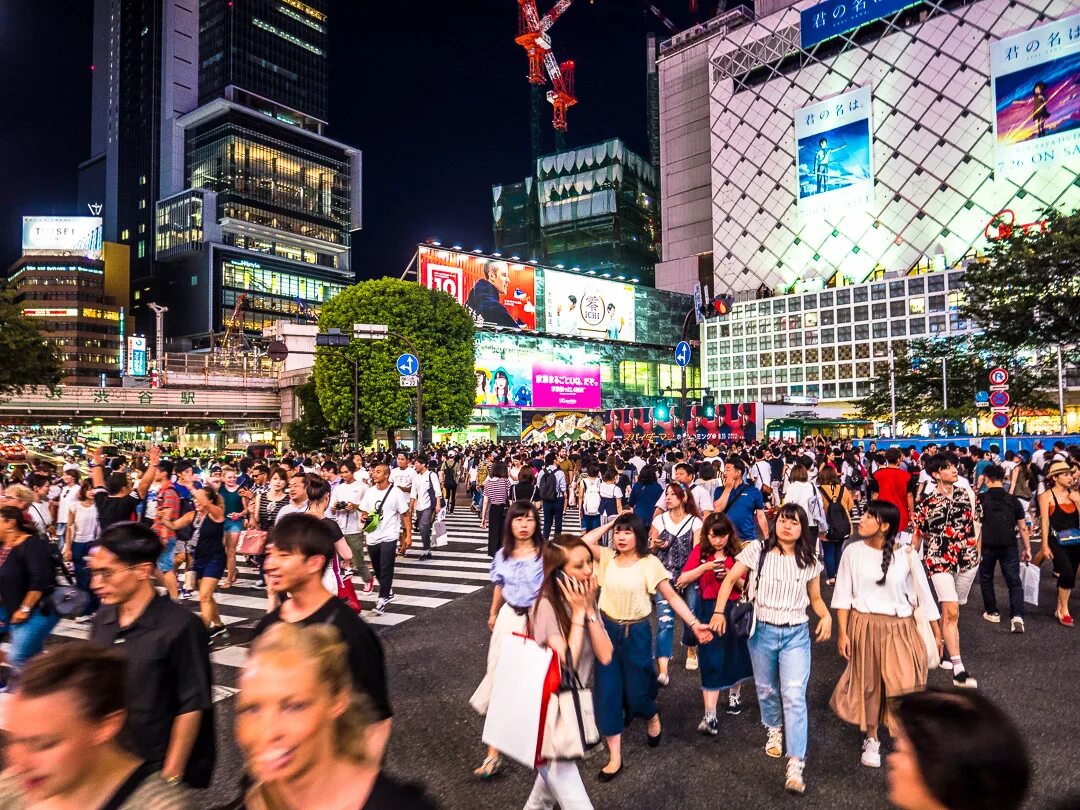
[[496, 293], [585, 306]]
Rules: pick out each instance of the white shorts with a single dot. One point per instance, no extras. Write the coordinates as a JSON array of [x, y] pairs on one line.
[[954, 587]]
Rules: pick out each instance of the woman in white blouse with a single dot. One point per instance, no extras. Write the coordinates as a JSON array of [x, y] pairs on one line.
[[876, 588], [785, 580]]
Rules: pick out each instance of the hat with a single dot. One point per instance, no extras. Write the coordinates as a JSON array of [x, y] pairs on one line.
[[711, 451], [1058, 468]]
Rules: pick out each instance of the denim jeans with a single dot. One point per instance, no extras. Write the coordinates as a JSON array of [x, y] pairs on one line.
[[553, 514], [692, 597], [625, 687], [80, 554], [28, 638], [830, 553], [559, 783], [781, 659], [589, 522], [1009, 558], [665, 628]]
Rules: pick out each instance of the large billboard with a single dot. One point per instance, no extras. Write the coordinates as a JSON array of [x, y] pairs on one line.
[[62, 236], [541, 427], [729, 422], [496, 292], [585, 306], [556, 385], [834, 163], [834, 17], [1036, 90], [509, 375]]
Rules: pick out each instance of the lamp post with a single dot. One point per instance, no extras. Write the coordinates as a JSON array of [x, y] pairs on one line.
[[892, 390]]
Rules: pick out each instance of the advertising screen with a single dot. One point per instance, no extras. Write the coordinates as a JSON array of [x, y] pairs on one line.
[[496, 293], [561, 386], [136, 359], [834, 166], [540, 427], [834, 17], [729, 422], [584, 306], [503, 373], [1036, 88], [62, 236]]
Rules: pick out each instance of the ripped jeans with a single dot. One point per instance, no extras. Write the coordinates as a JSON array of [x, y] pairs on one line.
[[780, 655], [664, 646]]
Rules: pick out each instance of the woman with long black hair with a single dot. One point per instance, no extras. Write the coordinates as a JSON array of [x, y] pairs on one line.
[[785, 580], [877, 586], [517, 571]]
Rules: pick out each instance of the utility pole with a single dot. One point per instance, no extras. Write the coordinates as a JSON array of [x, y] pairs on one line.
[[944, 386], [892, 389], [1061, 392]]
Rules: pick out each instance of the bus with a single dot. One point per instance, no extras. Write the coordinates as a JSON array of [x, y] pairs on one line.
[[798, 425]]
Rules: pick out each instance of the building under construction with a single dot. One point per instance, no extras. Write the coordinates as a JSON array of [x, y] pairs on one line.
[[595, 207]]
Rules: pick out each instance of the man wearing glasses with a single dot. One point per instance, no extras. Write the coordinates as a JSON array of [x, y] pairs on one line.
[[170, 722]]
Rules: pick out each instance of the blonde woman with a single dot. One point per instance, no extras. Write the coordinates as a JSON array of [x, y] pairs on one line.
[[303, 729]]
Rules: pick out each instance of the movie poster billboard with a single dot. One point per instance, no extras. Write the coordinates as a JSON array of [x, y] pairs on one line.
[[834, 160], [585, 306], [496, 292], [540, 427], [730, 422], [1035, 79], [556, 385]]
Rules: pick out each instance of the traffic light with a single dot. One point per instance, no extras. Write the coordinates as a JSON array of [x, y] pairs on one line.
[[708, 403], [659, 413], [723, 303]]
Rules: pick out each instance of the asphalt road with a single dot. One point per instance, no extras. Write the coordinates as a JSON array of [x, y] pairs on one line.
[[437, 658]]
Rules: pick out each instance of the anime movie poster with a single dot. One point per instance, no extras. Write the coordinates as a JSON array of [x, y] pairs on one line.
[[729, 422], [503, 372], [495, 292], [1036, 89], [541, 427], [834, 165]]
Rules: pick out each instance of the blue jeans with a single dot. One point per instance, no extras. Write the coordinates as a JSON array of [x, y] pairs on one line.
[[28, 638], [589, 522], [80, 553], [665, 628], [692, 597], [553, 514], [781, 659], [628, 683], [831, 552]]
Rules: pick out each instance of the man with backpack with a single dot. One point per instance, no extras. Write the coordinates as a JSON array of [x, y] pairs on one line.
[[551, 490], [589, 498], [1003, 522]]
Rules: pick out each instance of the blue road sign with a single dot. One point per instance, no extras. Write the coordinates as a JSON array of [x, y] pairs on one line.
[[407, 365], [1000, 420], [982, 396], [682, 353]]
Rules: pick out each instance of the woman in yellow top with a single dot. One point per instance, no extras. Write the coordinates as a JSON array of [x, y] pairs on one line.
[[629, 577]]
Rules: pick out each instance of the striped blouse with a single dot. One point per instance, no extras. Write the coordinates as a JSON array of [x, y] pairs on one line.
[[497, 491], [780, 595]]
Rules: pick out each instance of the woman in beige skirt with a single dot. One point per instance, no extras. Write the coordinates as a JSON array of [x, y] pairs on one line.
[[877, 586]]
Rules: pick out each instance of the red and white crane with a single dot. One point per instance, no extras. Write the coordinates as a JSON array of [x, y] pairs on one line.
[[534, 39]]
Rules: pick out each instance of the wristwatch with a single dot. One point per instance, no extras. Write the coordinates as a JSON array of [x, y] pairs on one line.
[[591, 618]]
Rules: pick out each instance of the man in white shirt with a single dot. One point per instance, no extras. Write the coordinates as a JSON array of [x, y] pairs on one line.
[[345, 500], [402, 475], [426, 501], [386, 501], [297, 496]]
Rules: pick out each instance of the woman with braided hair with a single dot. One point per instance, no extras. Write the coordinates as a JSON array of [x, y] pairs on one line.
[[877, 586]]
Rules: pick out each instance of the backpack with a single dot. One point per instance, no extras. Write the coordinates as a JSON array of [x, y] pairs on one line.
[[855, 478], [548, 489], [999, 521], [185, 534], [590, 502], [837, 518]]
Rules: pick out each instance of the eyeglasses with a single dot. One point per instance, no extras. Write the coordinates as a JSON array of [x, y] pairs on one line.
[[106, 574]]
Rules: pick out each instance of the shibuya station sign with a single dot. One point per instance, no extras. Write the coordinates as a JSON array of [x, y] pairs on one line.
[[62, 236], [1035, 77], [834, 17]]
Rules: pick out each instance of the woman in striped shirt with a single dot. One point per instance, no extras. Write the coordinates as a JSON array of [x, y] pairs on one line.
[[785, 580], [496, 497]]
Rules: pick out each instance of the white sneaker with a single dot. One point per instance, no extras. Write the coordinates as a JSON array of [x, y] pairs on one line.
[[871, 753], [1016, 625], [380, 607], [663, 679], [691, 658], [993, 618], [794, 782], [945, 664], [774, 745]]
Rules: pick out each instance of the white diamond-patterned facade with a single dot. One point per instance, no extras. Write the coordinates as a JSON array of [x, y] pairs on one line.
[[822, 290]]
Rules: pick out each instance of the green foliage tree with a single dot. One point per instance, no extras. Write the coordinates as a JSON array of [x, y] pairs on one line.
[[442, 332], [1027, 295], [968, 361], [310, 431], [29, 360]]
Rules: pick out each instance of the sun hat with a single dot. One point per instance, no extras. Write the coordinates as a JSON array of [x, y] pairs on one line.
[[1058, 468]]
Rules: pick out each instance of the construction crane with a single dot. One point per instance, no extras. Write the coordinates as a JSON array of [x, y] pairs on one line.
[[533, 37], [234, 341]]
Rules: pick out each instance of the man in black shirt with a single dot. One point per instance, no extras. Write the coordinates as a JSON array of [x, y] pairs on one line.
[[171, 721], [115, 499], [299, 549]]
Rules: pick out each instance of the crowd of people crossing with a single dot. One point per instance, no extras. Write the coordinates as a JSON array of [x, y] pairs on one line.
[[733, 562]]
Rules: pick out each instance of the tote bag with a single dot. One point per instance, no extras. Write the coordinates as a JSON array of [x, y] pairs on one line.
[[570, 728], [926, 633]]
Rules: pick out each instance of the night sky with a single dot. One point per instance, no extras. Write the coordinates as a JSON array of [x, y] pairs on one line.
[[434, 93]]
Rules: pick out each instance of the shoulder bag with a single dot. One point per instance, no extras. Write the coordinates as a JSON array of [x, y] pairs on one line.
[[1065, 537], [67, 601], [922, 624], [253, 541], [743, 615], [570, 726]]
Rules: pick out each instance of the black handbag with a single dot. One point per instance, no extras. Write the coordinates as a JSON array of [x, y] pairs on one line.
[[742, 614], [66, 601]]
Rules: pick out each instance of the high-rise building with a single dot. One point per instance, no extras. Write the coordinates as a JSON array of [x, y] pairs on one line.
[[211, 162]]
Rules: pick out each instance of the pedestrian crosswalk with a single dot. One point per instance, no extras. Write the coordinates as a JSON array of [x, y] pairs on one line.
[[457, 569]]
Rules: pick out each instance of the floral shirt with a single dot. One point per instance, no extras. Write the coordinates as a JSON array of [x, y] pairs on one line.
[[949, 531]]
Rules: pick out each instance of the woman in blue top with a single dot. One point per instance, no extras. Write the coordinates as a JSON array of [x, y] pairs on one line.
[[518, 573], [645, 494]]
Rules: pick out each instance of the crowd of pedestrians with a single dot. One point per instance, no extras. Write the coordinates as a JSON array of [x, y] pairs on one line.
[[729, 561]]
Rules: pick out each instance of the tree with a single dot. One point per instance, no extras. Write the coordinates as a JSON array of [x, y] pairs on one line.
[[310, 431], [1027, 295], [29, 359], [968, 361], [442, 332]]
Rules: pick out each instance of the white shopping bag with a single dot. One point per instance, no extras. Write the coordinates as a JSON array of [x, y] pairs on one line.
[[519, 699], [439, 536], [1029, 576]]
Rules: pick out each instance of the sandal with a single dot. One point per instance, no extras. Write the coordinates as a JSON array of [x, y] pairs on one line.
[[491, 767]]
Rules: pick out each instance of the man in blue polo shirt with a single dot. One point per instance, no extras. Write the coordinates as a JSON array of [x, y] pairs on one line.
[[742, 502]]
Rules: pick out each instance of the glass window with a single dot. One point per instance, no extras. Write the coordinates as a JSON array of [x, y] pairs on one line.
[[811, 355], [956, 280], [843, 315], [862, 388], [877, 292], [937, 324], [737, 346], [796, 374], [710, 333], [862, 332], [813, 373], [765, 359], [780, 341], [843, 371], [877, 311], [725, 330], [828, 335], [751, 327], [843, 352], [860, 294], [843, 334], [843, 297], [810, 301], [935, 282], [764, 307], [896, 289], [794, 305], [779, 306], [738, 361], [781, 375], [725, 362], [794, 321], [810, 337], [828, 354], [751, 344], [795, 339], [810, 319], [796, 358], [956, 323], [918, 326], [725, 347], [826, 299], [916, 286], [862, 351], [828, 391], [737, 329], [880, 329], [937, 303], [881, 349], [828, 317], [897, 309], [828, 372], [861, 313], [765, 343], [917, 306], [781, 358], [845, 390]]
